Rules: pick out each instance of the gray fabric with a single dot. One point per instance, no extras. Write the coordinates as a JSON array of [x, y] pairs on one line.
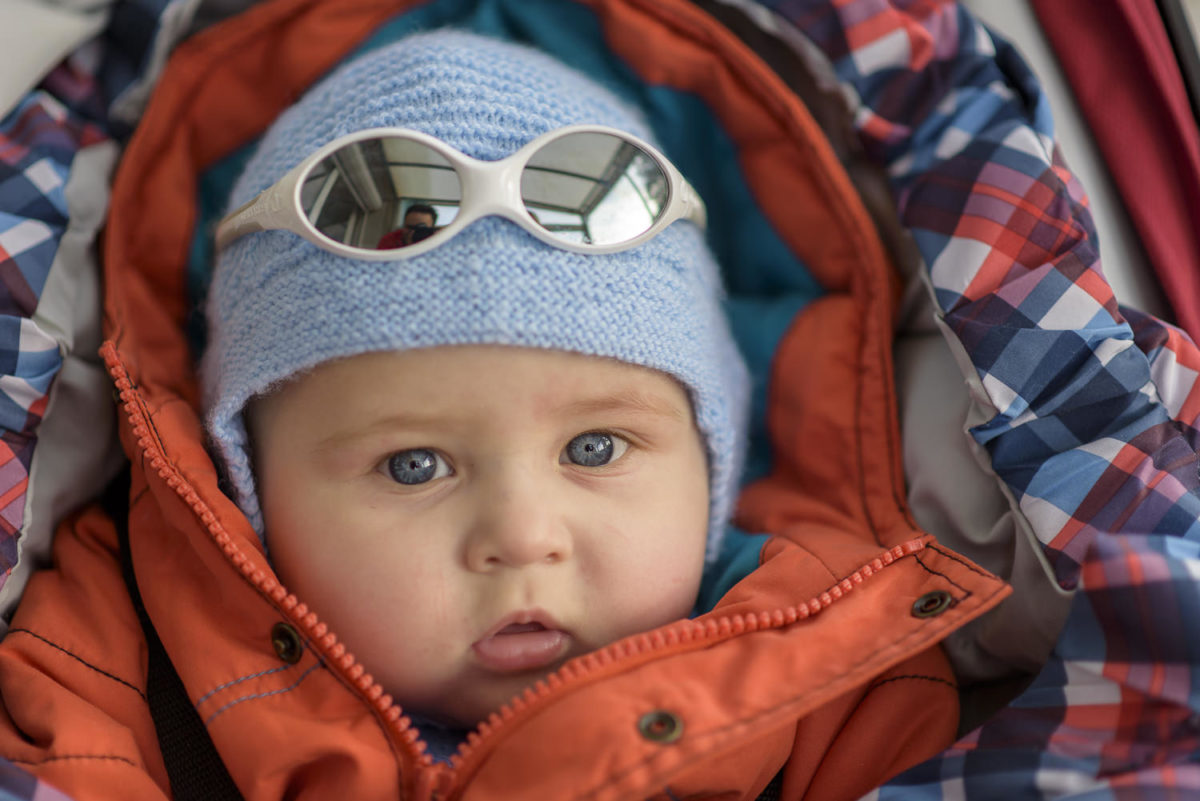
[[35, 35]]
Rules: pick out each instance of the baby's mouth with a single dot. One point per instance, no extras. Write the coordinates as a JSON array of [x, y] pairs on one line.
[[521, 646]]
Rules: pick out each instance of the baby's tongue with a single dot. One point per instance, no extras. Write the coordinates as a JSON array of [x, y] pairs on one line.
[[521, 646]]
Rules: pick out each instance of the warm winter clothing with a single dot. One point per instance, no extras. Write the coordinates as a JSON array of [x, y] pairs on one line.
[[822, 666]]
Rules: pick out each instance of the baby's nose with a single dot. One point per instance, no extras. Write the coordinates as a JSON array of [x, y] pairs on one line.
[[516, 528]]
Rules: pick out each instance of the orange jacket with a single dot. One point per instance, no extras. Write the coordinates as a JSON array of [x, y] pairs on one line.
[[822, 663]]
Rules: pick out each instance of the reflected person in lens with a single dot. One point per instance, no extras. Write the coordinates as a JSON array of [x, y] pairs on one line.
[[420, 222]]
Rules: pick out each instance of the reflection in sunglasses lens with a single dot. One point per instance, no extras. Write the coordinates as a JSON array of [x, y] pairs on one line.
[[390, 192], [381, 194], [594, 188]]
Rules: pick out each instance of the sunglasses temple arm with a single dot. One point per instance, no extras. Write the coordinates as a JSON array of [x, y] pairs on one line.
[[266, 211], [238, 223], [693, 207]]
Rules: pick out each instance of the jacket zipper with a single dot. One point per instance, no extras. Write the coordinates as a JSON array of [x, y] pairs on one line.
[[678, 636], [435, 782]]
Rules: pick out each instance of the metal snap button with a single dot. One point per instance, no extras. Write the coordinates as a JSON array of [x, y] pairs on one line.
[[932, 604], [660, 726], [287, 643]]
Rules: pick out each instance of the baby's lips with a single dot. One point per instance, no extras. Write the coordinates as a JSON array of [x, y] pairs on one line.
[[521, 647]]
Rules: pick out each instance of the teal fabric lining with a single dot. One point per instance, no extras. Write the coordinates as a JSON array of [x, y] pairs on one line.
[[740, 553], [768, 285], [758, 324]]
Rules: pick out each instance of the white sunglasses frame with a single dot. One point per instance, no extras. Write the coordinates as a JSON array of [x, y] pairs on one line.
[[488, 188]]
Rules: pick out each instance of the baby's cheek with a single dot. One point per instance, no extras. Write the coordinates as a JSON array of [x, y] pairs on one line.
[[663, 589]]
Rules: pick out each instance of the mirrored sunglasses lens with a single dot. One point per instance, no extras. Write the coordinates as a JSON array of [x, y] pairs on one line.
[[381, 194], [594, 188]]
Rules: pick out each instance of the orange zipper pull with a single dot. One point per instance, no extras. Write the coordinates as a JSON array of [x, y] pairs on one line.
[[433, 783]]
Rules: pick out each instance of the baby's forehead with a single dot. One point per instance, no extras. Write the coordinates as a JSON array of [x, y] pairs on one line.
[[472, 375]]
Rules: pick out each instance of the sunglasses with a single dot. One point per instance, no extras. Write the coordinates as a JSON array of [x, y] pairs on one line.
[[388, 193]]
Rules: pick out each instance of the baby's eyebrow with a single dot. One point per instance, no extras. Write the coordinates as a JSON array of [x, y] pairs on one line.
[[351, 435], [627, 400]]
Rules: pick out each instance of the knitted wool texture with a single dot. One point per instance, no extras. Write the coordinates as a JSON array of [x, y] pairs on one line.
[[279, 305]]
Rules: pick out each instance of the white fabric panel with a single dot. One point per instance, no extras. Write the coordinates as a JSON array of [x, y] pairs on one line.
[[36, 35]]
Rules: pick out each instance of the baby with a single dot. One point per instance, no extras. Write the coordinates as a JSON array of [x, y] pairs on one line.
[[482, 454]]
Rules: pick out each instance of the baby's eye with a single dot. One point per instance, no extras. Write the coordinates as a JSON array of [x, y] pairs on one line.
[[416, 466], [595, 449]]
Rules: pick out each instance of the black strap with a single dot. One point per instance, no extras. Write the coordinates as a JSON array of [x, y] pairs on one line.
[[193, 765], [774, 790]]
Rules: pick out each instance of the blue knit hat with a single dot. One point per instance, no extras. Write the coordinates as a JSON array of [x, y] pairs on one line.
[[279, 305]]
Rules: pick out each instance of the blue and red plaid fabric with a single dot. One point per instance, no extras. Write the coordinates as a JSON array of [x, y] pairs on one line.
[[1096, 408], [38, 140]]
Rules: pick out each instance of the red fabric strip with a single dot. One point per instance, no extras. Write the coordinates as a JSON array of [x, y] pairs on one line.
[[1118, 59]]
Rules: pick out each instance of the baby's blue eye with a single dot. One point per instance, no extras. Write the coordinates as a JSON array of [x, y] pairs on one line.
[[416, 466], [594, 449]]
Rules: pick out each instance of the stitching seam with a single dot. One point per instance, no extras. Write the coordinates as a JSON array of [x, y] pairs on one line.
[[109, 757], [966, 593], [79, 659], [229, 684], [957, 558], [237, 701], [937, 679]]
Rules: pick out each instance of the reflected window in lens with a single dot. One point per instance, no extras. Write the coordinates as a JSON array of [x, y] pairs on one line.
[[327, 203], [343, 196], [359, 194], [566, 225], [594, 188], [632, 202]]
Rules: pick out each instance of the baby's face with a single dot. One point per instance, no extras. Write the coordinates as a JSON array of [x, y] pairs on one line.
[[469, 518]]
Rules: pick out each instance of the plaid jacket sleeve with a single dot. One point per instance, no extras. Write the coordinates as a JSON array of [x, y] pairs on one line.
[[38, 140], [1095, 409]]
